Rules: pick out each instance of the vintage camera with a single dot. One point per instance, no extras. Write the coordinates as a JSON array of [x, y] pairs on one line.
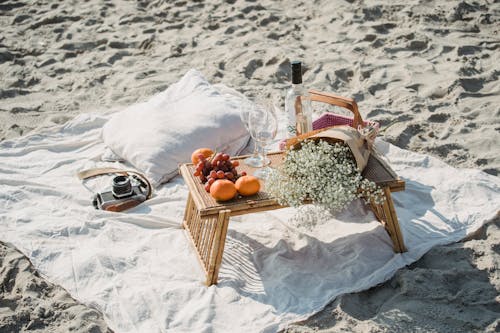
[[126, 192]]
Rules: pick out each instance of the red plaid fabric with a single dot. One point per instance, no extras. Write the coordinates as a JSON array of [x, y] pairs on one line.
[[328, 119]]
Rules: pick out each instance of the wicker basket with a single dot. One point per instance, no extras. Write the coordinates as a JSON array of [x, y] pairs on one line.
[[329, 119]]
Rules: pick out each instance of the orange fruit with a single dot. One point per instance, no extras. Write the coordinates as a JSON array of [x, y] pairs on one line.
[[247, 185], [207, 152], [223, 190]]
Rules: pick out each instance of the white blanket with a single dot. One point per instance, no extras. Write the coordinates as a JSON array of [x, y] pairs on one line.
[[139, 269]]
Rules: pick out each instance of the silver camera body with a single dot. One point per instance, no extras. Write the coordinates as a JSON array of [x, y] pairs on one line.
[[126, 192]]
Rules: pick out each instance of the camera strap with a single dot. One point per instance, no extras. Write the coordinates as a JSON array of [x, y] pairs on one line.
[[89, 173]]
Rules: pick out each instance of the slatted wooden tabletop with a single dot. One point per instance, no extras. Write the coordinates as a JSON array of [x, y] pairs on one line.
[[381, 173], [377, 170]]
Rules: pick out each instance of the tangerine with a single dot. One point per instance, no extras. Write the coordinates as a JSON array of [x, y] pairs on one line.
[[206, 152], [247, 185], [223, 190]]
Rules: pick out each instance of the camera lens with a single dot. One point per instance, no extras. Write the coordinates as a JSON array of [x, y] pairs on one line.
[[121, 186]]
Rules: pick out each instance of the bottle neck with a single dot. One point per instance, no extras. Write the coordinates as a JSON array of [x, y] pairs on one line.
[[296, 72]]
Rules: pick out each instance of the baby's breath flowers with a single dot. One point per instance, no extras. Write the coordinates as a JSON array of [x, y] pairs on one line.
[[324, 173]]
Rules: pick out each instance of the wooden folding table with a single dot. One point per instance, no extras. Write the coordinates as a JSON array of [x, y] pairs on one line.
[[206, 220]]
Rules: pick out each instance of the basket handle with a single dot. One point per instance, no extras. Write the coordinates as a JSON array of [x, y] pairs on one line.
[[348, 103]]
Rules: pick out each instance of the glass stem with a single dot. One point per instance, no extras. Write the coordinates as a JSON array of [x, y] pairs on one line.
[[255, 149], [263, 154]]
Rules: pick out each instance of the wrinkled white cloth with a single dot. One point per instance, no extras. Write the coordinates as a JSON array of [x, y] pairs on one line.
[[139, 269]]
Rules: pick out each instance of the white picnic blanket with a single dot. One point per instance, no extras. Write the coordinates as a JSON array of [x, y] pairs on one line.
[[140, 271]]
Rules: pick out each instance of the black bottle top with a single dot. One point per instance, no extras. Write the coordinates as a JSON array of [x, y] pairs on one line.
[[296, 72]]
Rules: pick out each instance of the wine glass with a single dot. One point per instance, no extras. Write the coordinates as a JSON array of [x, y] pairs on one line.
[[263, 125], [246, 107]]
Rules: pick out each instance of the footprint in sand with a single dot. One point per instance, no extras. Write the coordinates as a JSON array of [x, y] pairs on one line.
[[439, 117], [252, 66], [472, 84]]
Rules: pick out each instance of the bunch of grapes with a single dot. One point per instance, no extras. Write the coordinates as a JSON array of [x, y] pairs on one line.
[[219, 167]]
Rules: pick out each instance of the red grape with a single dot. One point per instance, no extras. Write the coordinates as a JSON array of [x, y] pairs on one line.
[[219, 167]]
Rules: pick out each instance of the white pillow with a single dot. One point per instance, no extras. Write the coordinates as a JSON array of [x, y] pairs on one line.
[[157, 135]]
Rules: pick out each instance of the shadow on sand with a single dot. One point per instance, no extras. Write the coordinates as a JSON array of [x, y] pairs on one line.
[[450, 289]]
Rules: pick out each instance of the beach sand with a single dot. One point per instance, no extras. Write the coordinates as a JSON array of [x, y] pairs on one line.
[[30, 303], [426, 70]]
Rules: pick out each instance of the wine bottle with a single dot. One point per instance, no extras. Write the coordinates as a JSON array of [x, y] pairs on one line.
[[297, 104]]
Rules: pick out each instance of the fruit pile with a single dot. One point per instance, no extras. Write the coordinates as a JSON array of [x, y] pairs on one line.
[[219, 175]]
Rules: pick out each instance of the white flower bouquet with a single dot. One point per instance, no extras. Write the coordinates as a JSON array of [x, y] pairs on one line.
[[321, 173]]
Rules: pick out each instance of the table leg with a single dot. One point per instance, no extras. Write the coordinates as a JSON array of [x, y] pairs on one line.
[[218, 247], [386, 214], [208, 235], [190, 206]]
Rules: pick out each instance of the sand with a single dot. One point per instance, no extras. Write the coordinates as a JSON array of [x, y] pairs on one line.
[[30, 303], [426, 70]]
